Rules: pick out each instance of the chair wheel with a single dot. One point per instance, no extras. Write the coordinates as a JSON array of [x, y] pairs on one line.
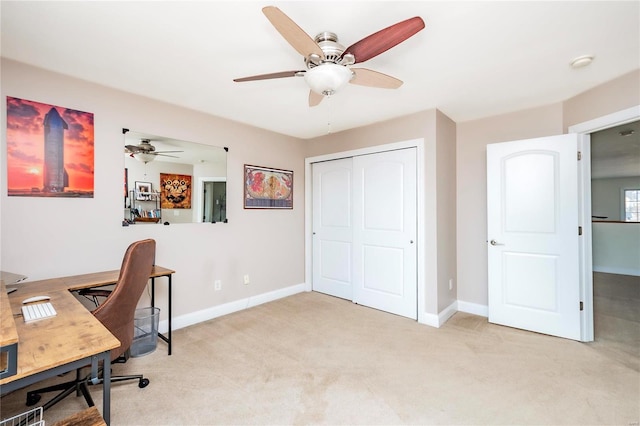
[[143, 383], [32, 399]]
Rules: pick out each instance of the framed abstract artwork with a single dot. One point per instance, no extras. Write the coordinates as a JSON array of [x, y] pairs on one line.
[[267, 188]]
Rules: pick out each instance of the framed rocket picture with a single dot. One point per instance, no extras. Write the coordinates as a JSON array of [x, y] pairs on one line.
[[50, 150]]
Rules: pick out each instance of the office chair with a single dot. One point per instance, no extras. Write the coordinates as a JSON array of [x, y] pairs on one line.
[[116, 313]]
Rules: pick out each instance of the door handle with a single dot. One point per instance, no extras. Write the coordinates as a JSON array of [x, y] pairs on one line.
[[495, 243]]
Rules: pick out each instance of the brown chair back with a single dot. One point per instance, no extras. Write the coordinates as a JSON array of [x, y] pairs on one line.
[[117, 312]]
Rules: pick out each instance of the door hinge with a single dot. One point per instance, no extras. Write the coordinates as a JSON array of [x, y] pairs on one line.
[[579, 230], [581, 306], [579, 155]]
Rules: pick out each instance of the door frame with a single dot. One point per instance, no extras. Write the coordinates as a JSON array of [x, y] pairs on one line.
[[199, 204], [584, 131], [421, 252]]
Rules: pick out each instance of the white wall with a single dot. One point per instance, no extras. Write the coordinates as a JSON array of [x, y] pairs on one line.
[[607, 196], [50, 237], [616, 248]]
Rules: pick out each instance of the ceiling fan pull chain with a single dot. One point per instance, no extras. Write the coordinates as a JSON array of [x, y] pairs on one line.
[[329, 106]]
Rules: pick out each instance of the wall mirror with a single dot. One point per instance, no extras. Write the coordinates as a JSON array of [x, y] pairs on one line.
[[173, 181]]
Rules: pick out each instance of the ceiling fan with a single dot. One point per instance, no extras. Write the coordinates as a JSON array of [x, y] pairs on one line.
[[328, 62], [146, 152]]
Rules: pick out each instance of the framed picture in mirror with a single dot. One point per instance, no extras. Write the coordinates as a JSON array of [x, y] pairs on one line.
[[143, 191]]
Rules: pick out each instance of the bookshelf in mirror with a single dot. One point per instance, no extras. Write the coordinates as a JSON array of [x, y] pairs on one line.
[[144, 207]]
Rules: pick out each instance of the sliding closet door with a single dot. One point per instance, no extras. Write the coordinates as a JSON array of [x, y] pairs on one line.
[[332, 230], [364, 230], [384, 237]]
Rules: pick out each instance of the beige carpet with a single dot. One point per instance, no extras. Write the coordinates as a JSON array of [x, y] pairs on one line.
[[315, 359]]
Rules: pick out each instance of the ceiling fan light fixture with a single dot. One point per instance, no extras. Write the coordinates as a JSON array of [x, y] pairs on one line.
[[581, 61], [328, 78], [144, 157]]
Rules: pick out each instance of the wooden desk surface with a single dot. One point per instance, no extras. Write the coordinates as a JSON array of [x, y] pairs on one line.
[[73, 334], [8, 333], [78, 282]]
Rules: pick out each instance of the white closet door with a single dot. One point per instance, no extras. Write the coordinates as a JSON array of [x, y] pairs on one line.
[[384, 231], [332, 229]]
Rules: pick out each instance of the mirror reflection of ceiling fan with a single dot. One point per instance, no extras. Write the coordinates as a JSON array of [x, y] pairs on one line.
[[328, 62], [146, 152]]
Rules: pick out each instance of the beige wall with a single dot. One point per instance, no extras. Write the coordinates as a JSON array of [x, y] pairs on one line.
[[472, 139], [46, 237], [446, 210], [616, 95], [54, 237], [419, 125]]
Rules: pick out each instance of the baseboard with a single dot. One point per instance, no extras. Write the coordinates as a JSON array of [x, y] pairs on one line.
[[473, 308], [436, 321], [615, 270], [228, 308], [192, 318]]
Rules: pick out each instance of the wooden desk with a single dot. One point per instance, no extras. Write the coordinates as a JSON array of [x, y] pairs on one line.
[[8, 337], [72, 339], [97, 279]]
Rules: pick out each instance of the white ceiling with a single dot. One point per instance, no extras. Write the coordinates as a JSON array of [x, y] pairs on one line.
[[615, 152], [473, 59]]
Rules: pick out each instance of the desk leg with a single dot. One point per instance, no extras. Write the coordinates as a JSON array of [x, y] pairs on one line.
[[153, 292], [106, 382], [153, 299], [169, 342]]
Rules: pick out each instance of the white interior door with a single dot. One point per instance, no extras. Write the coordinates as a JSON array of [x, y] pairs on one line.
[[384, 224], [533, 241], [332, 228]]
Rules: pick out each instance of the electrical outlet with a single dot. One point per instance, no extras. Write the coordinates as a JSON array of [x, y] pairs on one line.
[[450, 283], [246, 280], [217, 285]]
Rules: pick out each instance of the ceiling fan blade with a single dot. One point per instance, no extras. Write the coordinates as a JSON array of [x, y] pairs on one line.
[[282, 74], [163, 152], [367, 77], [314, 98], [164, 155], [385, 39], [300, 40]]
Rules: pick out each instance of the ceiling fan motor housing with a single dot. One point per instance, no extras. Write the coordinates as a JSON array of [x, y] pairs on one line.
[[332, 50], [145, 145]]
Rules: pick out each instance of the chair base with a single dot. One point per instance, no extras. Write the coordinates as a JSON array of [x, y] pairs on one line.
[[81, 386]]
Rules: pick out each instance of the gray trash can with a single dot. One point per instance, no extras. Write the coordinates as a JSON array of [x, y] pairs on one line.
[[145, 331]]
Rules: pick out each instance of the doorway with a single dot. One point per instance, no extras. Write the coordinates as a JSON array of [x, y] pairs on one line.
[[212, 207], [581, 300], [584, 131], [615, 172]]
